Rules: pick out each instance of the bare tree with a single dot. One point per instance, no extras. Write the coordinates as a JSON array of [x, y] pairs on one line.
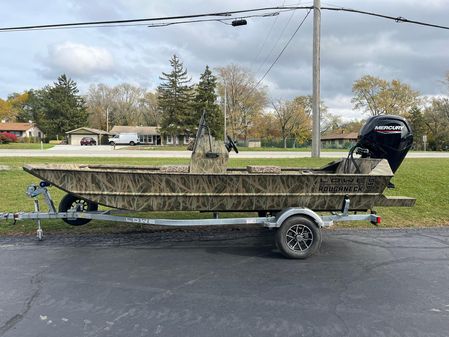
[[293, 118], [244, 100], [125, 104]]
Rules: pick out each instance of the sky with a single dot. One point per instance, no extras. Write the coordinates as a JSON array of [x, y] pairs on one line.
[[352, 45]]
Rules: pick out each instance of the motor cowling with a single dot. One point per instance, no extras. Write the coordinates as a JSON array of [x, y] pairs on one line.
[[385, 137]]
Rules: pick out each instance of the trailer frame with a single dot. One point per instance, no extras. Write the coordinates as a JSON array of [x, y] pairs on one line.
[[296, 219]]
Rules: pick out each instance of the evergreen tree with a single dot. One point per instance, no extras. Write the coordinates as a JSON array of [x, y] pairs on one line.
[[418, 124], [175, 99], [60, 108], [206, 100]]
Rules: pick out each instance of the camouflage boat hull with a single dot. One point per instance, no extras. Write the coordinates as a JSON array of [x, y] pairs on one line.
[[144, 188]]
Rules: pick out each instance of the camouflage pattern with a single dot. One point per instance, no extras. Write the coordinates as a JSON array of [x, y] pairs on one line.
[[209, 156], [149, 188]]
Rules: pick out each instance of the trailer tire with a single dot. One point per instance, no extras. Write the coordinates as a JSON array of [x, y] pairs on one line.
[[70, 201], [298, 237]]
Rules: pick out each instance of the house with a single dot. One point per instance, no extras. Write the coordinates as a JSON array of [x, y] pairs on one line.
[[339, 140], [74, 136], [147, 134], [22, 130]]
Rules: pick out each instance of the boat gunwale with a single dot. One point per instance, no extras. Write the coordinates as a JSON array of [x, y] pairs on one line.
[[313, 172]]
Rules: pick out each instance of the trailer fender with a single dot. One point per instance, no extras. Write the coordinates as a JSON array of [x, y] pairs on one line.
[[288, 212]]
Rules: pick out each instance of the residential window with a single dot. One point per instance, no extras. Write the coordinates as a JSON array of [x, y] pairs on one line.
[[186, 140], [170, 139], [29, 134]]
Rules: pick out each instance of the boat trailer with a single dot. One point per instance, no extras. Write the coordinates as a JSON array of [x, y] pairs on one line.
[[298, 230]]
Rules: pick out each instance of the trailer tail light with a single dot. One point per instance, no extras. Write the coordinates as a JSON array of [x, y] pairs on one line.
[[375, 219]]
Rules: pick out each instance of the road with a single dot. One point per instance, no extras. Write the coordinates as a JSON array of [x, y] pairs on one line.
[[108, 151], [225, 282]]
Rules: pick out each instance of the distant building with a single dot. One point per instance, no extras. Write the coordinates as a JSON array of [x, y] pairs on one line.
[[22, 130], [74, 136], [151, 135], [339, 140], [147, 134]]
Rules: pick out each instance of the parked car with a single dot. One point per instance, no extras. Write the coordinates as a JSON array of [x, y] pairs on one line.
[[124, 138], [88, 141]]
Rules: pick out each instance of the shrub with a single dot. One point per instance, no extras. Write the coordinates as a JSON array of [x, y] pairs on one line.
[[6, 137]]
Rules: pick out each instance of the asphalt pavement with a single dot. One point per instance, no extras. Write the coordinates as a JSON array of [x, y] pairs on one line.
[[120, 151], [225, 282]]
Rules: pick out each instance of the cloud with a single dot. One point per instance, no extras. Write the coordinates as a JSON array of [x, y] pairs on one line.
[[78, 60]]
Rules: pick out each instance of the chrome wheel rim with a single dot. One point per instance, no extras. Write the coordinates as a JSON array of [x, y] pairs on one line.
[[299, 238], [80, 205]]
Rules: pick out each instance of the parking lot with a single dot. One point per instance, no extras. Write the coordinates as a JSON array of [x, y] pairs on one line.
[[225, 282]]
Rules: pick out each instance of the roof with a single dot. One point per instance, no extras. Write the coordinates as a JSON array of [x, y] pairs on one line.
[[342, 136], [141, 130], [89, 131], [16, 126]]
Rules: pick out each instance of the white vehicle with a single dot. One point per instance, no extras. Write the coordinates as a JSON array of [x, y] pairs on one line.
[[124, 139]]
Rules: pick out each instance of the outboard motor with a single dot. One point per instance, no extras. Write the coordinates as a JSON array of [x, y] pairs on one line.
[[385, 137]]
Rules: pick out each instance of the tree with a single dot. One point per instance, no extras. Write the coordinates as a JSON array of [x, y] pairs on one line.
[[378, 97], [244, 100], [418, 124], [124, 104], [13, 106], [99, 105], [264, 126], [436, 117], [6, 111], [175, 98], [60, 107], [293, 118], [206, 100], [331, 123]]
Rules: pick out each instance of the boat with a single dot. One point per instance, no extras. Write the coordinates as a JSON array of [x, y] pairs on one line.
[[208, 185]]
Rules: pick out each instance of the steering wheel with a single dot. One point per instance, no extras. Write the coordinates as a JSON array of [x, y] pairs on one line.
[[231, 145]]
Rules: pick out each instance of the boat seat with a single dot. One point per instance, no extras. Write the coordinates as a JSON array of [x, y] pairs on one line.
[[175, 168], [263, 169]]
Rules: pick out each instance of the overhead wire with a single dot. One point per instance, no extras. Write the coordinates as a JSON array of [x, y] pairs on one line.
[[267, 36], [282, 50], [276, 43], [107, 23]]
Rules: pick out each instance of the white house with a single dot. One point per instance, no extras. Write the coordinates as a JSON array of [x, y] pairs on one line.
[[22, 130]]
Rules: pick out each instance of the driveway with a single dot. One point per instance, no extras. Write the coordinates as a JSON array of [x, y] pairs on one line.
[[225, 282]]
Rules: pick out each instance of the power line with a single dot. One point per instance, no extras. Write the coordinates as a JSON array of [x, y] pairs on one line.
[[282, 51], [106, 23], [398, 19], [275, 44], [111, 23], [267, 36]]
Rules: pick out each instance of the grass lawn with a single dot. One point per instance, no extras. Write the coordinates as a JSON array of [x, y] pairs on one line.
[[25, 146], [425, 179]]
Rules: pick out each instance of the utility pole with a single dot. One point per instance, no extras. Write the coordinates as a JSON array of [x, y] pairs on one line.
[[107, 119], [316, 136], [225, 108]]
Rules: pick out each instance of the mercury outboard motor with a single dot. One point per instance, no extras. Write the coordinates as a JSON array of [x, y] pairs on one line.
[[385, 137]]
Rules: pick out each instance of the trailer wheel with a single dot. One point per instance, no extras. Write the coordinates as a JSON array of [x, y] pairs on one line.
[[70, 201], [298, 237]]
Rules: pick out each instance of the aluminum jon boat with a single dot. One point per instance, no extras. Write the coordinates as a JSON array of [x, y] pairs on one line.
[[207, 184]]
